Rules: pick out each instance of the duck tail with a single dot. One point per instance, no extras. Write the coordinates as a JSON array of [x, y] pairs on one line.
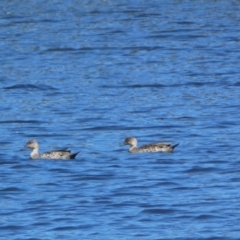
[[73, 155], [173, 146]]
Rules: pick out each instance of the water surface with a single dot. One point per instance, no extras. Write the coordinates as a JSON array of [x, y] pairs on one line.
[[87, 74]]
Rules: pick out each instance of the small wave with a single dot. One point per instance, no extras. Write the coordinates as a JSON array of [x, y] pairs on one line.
[[237, 84], [184, 188], [95, 177], [157, 85], [84, 226], [25, 166], [65, 228], [22, 121], [30, 86], [136, 86], [11, 189], [66, 49], [11, 228], [206, 216], [201, 170], [158, 211]]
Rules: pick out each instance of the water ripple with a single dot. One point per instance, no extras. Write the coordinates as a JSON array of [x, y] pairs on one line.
[[30, 87], [87, 76]]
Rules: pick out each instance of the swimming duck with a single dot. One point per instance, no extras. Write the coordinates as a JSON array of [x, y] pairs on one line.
[[152, 147], [56, 154]]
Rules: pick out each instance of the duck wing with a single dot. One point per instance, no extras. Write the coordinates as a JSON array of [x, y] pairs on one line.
[[163, 144], [61, 150], [157, 147], [57, 154]]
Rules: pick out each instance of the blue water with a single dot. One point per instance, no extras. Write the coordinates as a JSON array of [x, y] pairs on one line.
[[86, 75]]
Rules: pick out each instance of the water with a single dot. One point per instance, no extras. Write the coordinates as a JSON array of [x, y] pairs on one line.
[[87, 74]]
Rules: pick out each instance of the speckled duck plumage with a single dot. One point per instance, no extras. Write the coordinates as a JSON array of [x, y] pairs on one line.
[[56, 154], [152, 147]]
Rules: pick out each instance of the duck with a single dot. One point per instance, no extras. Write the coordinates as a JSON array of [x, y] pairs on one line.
[[55, 154], [152, 147]]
